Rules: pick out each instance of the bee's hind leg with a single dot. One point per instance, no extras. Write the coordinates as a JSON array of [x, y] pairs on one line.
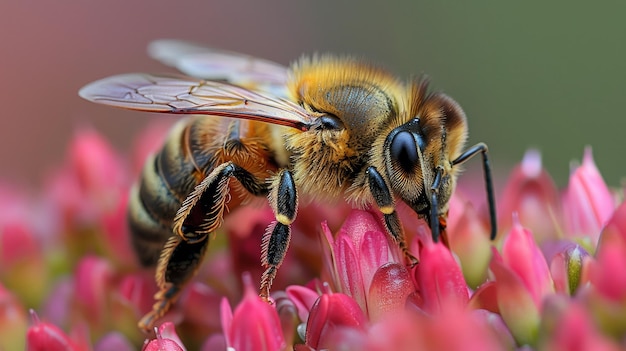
[[200, 215]]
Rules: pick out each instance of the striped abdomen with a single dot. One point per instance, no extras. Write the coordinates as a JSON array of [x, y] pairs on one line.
[[193, 148]]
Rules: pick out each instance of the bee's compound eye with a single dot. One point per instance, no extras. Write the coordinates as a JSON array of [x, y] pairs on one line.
[[404, 150]]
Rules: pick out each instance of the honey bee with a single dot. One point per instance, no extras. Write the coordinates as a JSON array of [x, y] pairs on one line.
[[326, 128]]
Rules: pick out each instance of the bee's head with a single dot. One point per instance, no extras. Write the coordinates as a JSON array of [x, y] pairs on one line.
[[425, 142]]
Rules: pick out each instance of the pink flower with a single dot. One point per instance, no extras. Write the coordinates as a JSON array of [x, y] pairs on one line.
[[523, 280], [469, 240], [254, 325], [550, 286], [587, 201], [525, 259], [93, 284], [166, 340], [335, 320], [574, 331], [97, 167], [440, 280], [48, 337], [357, 252], [21, 255], [568, 269], [531, 194]]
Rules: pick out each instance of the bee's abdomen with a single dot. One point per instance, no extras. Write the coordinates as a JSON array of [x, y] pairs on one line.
[[165, 181], [193, 148]]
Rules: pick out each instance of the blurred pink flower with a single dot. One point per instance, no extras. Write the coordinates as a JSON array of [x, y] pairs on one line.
[[569, 269], [531, 193], [42, 336], [166, 340], [573, 330], [587, 201]]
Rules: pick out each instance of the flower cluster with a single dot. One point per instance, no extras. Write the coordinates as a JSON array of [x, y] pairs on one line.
[[554, 278]]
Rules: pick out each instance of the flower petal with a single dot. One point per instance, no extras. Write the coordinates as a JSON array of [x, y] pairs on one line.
[[440, 280], [255, 324], [388, 292], [331, 314]]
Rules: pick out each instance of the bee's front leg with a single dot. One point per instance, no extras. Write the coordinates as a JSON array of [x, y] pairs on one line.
[[385, 202], [284, 201], [201, 214]]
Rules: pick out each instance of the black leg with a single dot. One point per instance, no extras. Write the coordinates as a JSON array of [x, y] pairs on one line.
[[284, 202], [384, 201], [482, 149], [200, 215]]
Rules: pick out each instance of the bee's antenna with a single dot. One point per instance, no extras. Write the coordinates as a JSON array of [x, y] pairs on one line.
[[482, 148]]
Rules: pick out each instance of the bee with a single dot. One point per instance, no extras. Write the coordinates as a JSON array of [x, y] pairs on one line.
[[326, 128]]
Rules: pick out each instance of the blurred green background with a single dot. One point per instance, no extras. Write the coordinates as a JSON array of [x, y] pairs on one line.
[[548, 75]]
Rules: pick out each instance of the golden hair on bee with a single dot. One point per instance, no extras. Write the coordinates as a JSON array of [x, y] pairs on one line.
[[327, 128]]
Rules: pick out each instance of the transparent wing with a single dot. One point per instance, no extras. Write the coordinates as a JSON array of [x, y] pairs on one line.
[[214, 64], [172, 94]]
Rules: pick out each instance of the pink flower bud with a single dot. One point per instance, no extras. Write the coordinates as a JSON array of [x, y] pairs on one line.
[[607, 273], [469, 240], [523, 256], [254, 325], [530, 192], [574, 331], [390, 288], [93, 284], [516, 303], [333, 317], [440, 280], [166, 340], [98, 168], [48, 337], [587, 202], [21, 256], [303, 298], [567, 269]]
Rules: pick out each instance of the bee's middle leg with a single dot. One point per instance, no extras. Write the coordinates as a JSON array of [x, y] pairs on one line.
[[200, 215], [284, 203]]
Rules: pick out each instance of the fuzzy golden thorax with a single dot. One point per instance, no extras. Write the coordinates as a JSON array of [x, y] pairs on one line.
[[359, 100]]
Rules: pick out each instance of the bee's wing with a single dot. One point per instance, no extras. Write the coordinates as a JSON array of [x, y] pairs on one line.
[[214, 64], [171, 94]]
